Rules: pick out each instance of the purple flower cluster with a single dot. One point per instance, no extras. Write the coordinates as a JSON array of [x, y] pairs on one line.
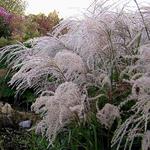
[[5, 15]]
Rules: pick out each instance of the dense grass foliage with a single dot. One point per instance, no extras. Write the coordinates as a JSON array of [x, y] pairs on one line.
[[91, 76]]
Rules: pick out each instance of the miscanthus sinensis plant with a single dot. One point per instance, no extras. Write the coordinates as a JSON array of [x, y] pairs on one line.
[[104, 49]]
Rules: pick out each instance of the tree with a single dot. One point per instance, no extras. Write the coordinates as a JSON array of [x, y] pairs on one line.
[[14, 6], [46, 23], [30, 28], [54, 18]]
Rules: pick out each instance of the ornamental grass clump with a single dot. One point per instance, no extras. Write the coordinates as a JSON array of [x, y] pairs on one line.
[[58, 109], [105, 50]]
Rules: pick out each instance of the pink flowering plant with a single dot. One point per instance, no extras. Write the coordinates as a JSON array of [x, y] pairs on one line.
[[5, 19], [5, 15]]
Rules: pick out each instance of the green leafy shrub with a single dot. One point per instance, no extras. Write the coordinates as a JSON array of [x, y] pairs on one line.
[[5, 41], [5, 30]]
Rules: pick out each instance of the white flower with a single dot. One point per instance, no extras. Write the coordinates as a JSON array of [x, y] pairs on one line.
[[108, 114], [71, 66], [59, 109]]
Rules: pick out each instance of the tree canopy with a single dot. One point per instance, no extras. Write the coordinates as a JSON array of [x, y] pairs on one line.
[[14, 6]]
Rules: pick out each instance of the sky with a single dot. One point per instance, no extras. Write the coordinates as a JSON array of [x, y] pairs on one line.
[[66, 8]]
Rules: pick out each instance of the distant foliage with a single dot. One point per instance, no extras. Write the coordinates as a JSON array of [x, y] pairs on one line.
[[15, 25], [5, 19], [14, 6], [5, 15], [45, 23], [30, 26]]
